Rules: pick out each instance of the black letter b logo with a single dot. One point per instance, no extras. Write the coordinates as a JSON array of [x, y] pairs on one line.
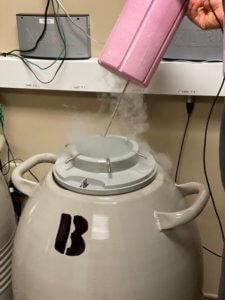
[[77, 242]]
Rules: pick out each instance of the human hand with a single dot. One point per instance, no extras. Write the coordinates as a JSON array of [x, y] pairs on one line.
[[201, 14]]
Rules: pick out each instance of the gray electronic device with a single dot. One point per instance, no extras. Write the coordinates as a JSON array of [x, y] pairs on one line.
[[194, 44], [30, 26]]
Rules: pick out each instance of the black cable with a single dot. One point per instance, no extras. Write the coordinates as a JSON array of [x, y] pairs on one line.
[[189, 108], [9, 152], [63, 59], [8, 159], [10, 53], [57, 23], [215, 15], [6, 140], [33, 72], [204, 158], [212, 252], [181, 147], [39, 38], [7, 164], [205, 143], [21, 160]]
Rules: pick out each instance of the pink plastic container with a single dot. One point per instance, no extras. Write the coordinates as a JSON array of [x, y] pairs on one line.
[[140, 37]]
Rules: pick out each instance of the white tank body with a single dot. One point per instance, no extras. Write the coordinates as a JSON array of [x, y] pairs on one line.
[[126, 257], [118, 234]]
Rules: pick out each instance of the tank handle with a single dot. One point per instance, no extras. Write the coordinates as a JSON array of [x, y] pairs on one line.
[[27, 187], [171, 220]]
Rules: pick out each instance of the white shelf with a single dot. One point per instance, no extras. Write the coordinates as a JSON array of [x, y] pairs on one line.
[[171, 78]]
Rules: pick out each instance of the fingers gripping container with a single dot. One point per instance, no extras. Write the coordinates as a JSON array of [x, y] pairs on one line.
[[140, 37]]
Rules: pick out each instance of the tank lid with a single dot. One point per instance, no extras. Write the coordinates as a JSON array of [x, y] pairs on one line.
[[104, 166]]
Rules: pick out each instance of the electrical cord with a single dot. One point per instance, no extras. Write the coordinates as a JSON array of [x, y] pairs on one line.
[[19, 160], [38, 66], [33, 72], [205, 144], [212, 252], [206, 133], [221, 28], [63, 37], [35, 64], [204, 158], [7, 172], [215, 15], [9, 150], [6, 141], [189, 108], [75, 24], [39, 38]]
